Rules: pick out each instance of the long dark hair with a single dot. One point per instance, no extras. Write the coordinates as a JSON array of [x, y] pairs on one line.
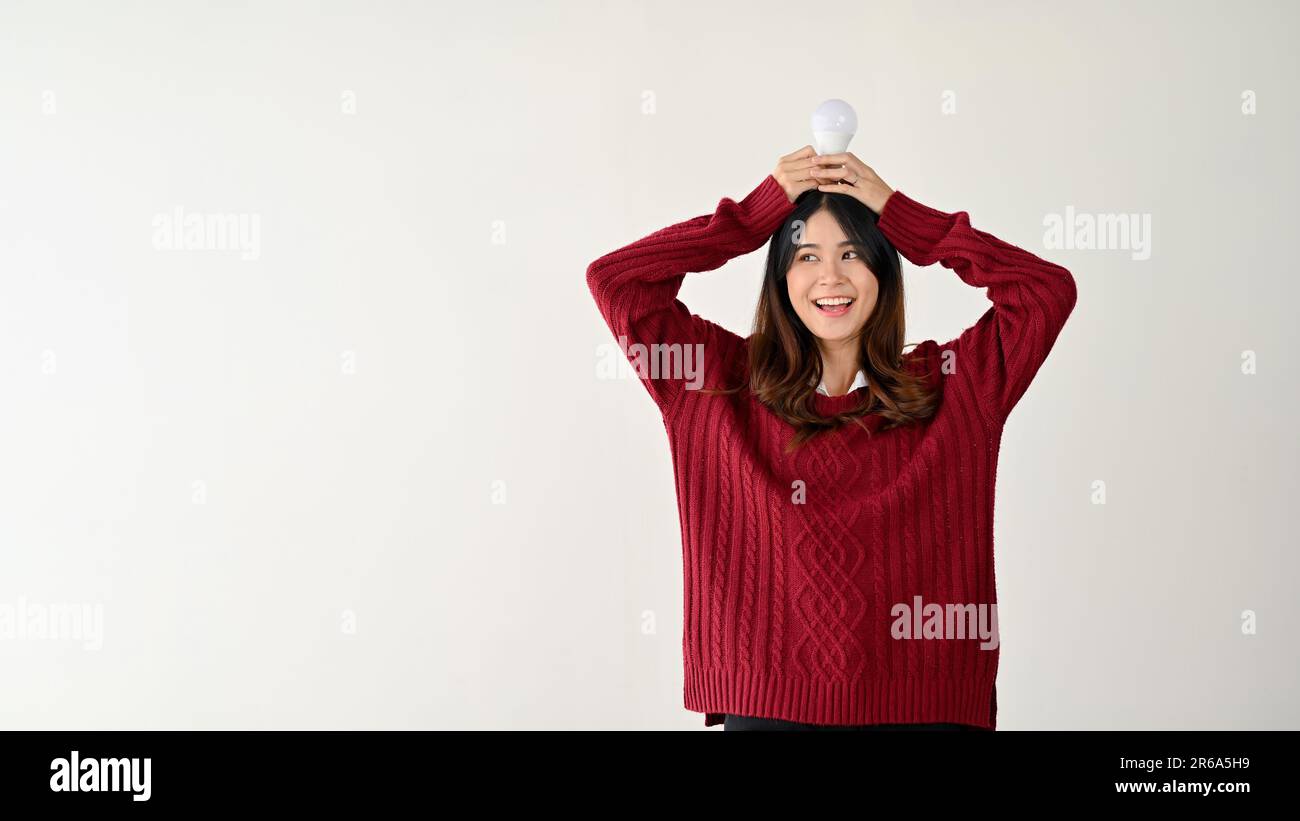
[[785, 363]]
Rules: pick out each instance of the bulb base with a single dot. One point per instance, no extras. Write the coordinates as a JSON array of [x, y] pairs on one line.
[[831, 142]]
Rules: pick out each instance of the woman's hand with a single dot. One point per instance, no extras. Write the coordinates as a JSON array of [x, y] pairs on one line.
[[793, 172], [846, 174]]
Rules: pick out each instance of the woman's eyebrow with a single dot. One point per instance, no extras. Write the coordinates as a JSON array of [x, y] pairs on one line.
[[815, 245]]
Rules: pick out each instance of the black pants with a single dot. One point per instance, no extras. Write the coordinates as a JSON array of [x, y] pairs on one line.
[[735, 722]]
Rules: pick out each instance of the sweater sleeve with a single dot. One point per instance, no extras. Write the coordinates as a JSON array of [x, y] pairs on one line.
[[1032, 298], [636, 286]]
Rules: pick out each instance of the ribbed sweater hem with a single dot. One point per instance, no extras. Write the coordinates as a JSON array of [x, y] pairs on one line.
[[914, 700]]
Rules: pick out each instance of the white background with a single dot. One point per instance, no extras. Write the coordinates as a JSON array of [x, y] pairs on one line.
[[334, 498]]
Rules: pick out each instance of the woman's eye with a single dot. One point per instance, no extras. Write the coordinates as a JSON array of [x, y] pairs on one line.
[[813, 257]]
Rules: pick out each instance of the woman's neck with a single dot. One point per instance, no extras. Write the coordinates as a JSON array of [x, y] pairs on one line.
[[839, 366]]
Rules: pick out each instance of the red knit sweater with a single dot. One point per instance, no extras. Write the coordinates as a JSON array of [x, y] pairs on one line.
[[789, 596]]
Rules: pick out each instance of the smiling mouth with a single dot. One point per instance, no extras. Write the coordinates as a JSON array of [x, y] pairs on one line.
[[833, 306]]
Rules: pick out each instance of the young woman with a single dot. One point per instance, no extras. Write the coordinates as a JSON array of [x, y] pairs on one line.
[[835, 492]]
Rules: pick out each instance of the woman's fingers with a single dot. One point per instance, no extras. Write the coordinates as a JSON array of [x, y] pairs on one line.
[[795, 187], [794, 172], [800, 171], [798, 164], [825, 175], [832, 159], [851, 170], [844, 173], [805, 169], [846, 159]]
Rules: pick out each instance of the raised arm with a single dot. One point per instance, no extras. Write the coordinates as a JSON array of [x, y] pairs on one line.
[[1032, 298], [636, 286]]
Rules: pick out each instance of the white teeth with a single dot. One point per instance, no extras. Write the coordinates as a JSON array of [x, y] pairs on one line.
[[835, 300]]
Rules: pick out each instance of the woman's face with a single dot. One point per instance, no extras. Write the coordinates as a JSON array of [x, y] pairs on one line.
[[824, 274]]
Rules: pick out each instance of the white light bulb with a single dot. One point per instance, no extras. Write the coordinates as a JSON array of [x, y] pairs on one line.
[[833, 124]]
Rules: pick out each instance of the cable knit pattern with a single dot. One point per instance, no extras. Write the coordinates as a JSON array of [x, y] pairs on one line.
[[792, 564]]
